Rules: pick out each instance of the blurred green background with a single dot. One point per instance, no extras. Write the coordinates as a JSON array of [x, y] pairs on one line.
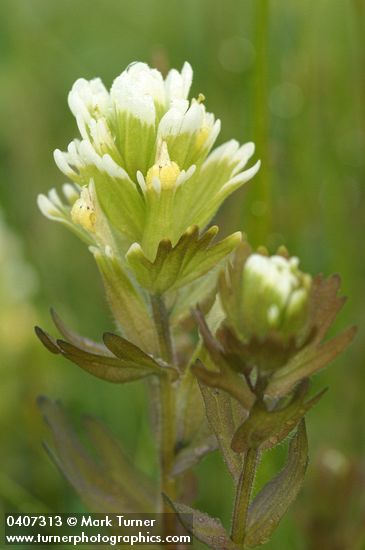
[[288, 75]]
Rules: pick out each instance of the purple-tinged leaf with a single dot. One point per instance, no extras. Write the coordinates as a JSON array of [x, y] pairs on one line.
[[273, 501], [79, 341], [307, 362], [208, 530], [264, 429], [192, 454], [221, 411], [47, 340], [93, 483], [111, 369]]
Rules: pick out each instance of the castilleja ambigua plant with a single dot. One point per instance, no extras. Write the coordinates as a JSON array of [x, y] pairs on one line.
[[145, 183]]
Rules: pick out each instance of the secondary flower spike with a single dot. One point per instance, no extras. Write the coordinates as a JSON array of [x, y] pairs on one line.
[[144, 161], [275, 295]]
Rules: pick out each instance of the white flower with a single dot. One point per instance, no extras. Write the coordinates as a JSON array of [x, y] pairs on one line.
[[274, 295], [123, 134]]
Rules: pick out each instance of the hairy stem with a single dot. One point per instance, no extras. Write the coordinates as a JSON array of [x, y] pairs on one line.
[[167, 413], [243, 497]]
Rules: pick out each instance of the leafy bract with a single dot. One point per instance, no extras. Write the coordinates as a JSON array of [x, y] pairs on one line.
[[121, 361], [264, 429], [206, 529], [224, 415], [176, 266], [273, 501], [101, 486], [126, 302], [307, 362]]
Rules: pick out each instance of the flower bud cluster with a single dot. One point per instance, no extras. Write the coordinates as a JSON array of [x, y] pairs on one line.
[[275, 296]]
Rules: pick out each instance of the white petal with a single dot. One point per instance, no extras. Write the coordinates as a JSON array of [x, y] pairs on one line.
[[193, 118], [88, 96], [113, 169], [141, 181], [156, 184], [213, 134], [242, 177], [70, 192], [243, 155], [187, 76], [225, 151], [60, 159], [178, 84], [47, 207], [53, 197], [185, 175], [137, 90], [170, 123], [88, 153]]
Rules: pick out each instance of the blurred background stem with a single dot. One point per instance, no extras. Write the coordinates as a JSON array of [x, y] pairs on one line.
[[259, 221]]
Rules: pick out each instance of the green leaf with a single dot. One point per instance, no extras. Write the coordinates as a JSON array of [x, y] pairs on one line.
[[118, 465], [130, 364], [128, 306], [225, 378], [307, 362], [208, 530], [111, 369], [191, 418], [273, 501], [179, 265], [228, 381], [47, 340], [127, 351], [79, 341], [264, 429], [100, 491], [201, 292], [192, 454], [324, 303], [224, 416]]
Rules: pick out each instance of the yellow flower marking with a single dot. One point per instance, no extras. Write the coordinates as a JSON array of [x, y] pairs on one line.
[[165, 170], [83, 211]]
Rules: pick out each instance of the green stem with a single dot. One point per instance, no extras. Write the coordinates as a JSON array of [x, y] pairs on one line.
[[167, 413], [243, 497], [161, 319]]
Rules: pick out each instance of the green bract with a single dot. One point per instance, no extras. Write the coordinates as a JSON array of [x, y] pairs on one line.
[[142, 170]]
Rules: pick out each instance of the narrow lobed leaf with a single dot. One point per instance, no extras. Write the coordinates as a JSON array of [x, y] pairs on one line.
[[208, 530], [176, 266], [119, 467], [79, 341], [222, 416], [227, 380], [47, 340], [92, 482], [307, 362], [192, 454], [111, 369], [273, 501], [264, 429]]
